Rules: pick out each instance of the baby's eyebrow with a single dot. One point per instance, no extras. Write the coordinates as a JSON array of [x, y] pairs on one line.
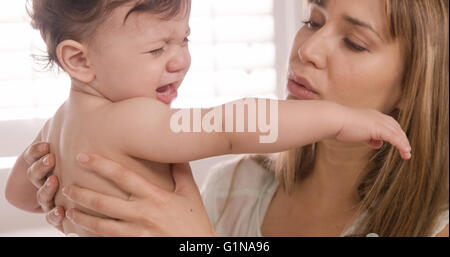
[[169, 37]]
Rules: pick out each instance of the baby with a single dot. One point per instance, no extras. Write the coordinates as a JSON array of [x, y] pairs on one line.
[[126, 60]]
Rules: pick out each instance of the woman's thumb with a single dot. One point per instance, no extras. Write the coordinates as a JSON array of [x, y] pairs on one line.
[[182, 175]]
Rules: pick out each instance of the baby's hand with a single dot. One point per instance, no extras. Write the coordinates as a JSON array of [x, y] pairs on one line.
[[373, 127]]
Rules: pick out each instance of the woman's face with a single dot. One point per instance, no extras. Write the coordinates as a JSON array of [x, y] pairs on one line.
[[344, 54]]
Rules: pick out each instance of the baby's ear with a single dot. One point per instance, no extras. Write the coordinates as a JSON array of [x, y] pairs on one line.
[[74, 60]]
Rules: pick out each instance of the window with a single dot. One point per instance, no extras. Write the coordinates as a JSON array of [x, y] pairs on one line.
[[25, 92], [239, 49], [233, 51]]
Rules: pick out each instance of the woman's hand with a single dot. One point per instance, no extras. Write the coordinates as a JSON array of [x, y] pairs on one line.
[[39, 174], [372, 127], [150, 211]]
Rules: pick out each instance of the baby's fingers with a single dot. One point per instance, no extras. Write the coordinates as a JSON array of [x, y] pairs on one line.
[[398, 138], [376, 144], [405, 150]]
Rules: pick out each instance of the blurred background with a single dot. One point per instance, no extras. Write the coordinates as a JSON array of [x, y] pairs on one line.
[[239, 49]]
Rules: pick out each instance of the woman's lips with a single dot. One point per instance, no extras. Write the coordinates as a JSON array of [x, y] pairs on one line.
[[300, 91], [167, 94]]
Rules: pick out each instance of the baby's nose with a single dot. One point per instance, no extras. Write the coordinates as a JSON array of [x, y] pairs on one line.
[[179, 62]]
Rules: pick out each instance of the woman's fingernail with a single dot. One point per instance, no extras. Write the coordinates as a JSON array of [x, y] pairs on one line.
[[83, 158], [46, 161], [48, 183], [69, 214], [66, 191], [56, 212]]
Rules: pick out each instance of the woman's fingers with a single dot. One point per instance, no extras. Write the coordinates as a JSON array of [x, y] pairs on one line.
[[46, 194], [39, 169], [56, 217], [106, 205], [100, 226], [127, 180], [36, 151]]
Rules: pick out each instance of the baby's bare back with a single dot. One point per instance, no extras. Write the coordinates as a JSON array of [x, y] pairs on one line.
[[76, 128]]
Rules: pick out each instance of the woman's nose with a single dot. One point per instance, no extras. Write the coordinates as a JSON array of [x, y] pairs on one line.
[[180, 61], [314, 51]]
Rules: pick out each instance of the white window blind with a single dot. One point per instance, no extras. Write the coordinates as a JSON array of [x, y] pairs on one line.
[[233, 52], [25, 91]]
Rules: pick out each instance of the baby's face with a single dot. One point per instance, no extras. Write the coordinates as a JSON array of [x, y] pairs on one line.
[[144, 57]]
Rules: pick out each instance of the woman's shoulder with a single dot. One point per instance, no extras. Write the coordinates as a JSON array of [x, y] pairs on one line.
[[240, 173], [232, 191], [441, 228]]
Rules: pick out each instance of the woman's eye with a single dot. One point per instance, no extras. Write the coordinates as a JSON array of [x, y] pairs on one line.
[[186, 40], [311, 24], [353, 46]]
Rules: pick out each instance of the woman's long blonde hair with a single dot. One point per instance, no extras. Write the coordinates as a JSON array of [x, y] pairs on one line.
[[404, 198]]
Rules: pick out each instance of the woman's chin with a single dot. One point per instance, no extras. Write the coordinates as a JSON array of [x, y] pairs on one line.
[[293, 97]]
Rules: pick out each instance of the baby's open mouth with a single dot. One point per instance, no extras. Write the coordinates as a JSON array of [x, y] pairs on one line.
[[167, 93]]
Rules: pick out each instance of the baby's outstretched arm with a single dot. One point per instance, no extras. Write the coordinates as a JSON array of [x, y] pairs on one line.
[[147, 129]]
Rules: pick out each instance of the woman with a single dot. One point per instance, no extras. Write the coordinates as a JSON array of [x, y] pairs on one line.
[[389, 55]]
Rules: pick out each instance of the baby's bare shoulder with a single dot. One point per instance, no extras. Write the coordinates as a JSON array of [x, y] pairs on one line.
[[128, 114], [136, 105], [117, 119]]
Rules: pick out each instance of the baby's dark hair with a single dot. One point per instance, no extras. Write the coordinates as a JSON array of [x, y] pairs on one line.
[[60, 20]]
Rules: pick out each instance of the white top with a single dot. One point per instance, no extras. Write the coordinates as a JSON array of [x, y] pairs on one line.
[[253, 190]]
